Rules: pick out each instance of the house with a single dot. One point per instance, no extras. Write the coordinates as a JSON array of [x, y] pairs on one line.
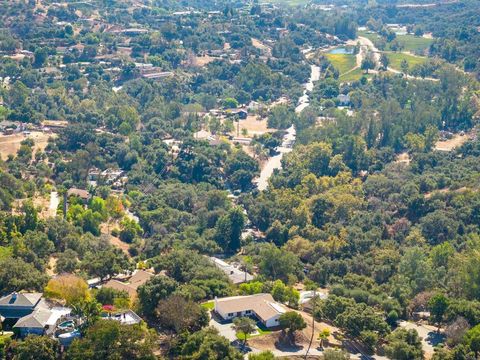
[[343, 100], [34, 323], [236, 275], [82, 194], [259, 306], [138, 278], [17, 305], [128, 317]]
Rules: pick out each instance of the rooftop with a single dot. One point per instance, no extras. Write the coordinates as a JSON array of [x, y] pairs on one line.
[[20, 299], [262, 304]]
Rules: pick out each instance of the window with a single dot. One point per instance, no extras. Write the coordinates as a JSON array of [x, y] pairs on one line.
[[230, 314]]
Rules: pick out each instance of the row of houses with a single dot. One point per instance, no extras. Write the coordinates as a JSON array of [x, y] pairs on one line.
[[32, 314]]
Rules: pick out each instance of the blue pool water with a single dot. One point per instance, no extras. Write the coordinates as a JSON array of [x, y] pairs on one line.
[[341, 50]]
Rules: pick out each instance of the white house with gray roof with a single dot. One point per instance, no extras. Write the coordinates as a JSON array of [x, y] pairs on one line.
[[260, 306]]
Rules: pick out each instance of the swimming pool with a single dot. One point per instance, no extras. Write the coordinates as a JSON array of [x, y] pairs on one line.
[[66, 324], [341, 50]]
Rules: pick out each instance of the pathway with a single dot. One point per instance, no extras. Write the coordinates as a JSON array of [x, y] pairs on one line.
[[275, 162], [54, 202]]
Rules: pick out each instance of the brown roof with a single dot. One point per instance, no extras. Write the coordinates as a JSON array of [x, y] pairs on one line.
[[139, 278], [84, 194], [120, 286], [262, 304]]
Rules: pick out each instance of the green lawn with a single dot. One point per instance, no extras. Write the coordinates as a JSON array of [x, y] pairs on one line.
[[342, 62], [397, 58], [240, 335], [410, 42], [209, 305], [414, 43], [353, 75]]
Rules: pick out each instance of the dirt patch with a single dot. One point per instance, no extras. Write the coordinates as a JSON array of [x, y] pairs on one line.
[[52, 263], [448, 145], [106, 229], [261, 46], [275, 339], [9, 144], [254, 126], [201, 61], [403, 158]]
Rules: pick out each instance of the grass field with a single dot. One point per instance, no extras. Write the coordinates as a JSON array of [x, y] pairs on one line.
[[414, 43], [342, 62], [410, 42], [353, 75], [397, 58]]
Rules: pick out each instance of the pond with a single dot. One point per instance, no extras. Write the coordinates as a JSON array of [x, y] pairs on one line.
[[341, 50]]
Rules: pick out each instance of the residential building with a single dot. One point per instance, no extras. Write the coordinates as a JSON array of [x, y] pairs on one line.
[[138, 278], [236, 275], [17, 305], [259, 306]]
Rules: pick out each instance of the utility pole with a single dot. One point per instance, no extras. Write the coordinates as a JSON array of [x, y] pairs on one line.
[[313, 324]]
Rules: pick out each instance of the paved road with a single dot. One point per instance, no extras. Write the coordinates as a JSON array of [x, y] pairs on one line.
[[54, 201]]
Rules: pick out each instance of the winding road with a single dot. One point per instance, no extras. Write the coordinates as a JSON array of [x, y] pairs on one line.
[[275, 162]]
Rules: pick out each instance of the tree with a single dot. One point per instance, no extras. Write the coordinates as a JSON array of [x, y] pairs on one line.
[[277, 263], [17, 274], [472, 339], [404, 66], [229, 230], [130, 230], [323, 336], [368, 62], [243, 327], [437, 306], [291, 321], [404, 344], [264, 355], [35, 348], [385, 61], [70, 288], [331, 354], [208, 344], [178, 314], [40, 57], [285, 294], [108, 339], [154, 290], [230, 103]]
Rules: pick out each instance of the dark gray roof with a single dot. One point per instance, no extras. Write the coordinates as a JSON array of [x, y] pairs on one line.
[[20, 299], [37, 319]]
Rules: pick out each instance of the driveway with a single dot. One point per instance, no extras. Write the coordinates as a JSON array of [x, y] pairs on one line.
[[430, 336], [225, 329]]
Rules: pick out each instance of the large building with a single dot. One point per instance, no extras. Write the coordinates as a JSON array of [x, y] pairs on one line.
[[259, 306]]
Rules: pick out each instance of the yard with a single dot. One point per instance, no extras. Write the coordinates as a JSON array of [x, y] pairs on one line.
[[209, 305], [414, 43], [342, 62], [9, 144], [397, 58], [354, 75]]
